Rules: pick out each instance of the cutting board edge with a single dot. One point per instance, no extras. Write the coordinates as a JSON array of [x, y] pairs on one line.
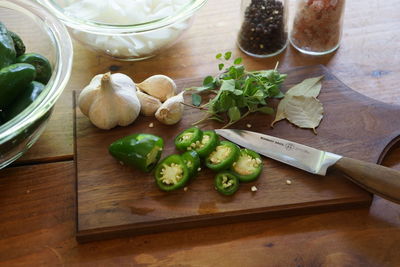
[[75, 147], [90, 235], [394, 141]]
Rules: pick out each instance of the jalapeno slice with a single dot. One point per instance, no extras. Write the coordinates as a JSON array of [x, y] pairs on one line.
[[248, 165], [188, 137], [138, 150], [223, 156], [226, 183], [171, 173], [207, 144], [192, 161]]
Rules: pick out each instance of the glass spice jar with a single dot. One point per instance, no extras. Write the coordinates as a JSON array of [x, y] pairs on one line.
[[263, 31], [317, 26]]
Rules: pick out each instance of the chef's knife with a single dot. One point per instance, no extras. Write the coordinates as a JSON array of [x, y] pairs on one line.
[[377, 179]]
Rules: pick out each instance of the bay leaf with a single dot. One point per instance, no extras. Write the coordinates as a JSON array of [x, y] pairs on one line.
[[280, 111], [308, 87], [304, 111]]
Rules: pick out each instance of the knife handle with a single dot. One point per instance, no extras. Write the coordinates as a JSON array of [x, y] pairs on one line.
[[377, 179]]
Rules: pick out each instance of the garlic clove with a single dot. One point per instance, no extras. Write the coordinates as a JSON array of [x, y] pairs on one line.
[[149, 104], [159, 86], [171, 111]]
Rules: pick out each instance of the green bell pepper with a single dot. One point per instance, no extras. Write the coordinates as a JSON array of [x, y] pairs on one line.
[[207, 144], [192, 161], [188, 137], [171, 173], [138, 150], [226, 183], [248, 166], [223, 156]]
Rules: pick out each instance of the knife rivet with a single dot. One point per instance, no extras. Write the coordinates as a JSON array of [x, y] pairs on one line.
[[248, 125], [288, 182]]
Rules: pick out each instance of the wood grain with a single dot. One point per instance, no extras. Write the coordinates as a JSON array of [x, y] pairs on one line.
[[115, 200], [37, 227], [367, 61]]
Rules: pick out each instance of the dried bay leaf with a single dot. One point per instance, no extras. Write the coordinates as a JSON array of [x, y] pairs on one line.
[[304, 111], [280, 111], [309, 87]]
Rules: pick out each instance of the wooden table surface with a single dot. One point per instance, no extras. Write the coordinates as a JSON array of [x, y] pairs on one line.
[[37, 195]]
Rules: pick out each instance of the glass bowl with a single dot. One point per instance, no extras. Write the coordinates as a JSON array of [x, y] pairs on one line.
[[42, 33], [128, 42]]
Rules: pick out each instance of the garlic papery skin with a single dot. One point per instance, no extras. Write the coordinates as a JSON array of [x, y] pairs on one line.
[[149, 104], [171, 111], [110, 100], [159, 86]]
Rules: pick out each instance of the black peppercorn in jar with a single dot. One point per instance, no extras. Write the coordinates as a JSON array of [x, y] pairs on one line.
[[263, 32]]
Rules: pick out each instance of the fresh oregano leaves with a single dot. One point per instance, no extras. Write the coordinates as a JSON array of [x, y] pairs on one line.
[[196, 100], [239, 92]]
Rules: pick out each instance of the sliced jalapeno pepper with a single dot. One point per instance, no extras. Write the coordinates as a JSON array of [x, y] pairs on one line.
[[207, 144], [192, 161], [248, 166], [188, 137], [138, 150], [226, 183], [223, 156], [171, 173]]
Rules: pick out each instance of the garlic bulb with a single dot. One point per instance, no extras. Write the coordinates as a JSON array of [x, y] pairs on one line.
[[171, 111], [110, 100], [149, 104], [159, 86]]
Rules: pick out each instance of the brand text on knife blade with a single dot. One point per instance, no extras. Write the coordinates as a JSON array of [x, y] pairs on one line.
[[288, 146]]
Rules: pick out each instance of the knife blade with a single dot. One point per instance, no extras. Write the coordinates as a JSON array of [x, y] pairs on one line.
[[303, 157], [377, 179]]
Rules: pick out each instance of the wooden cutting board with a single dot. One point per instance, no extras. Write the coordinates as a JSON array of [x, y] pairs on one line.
[[115, 200]]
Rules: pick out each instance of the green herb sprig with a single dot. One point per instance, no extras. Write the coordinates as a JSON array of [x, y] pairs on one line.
[[238, 92]]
